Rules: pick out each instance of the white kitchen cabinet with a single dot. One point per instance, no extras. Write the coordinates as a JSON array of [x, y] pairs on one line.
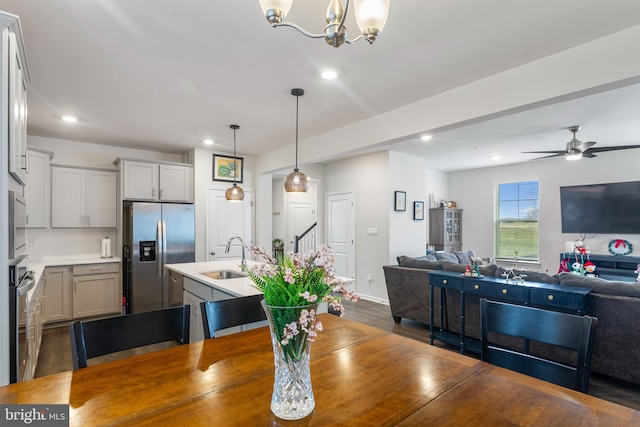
[[166, 182], [83, 197], [34, 331], [196, 331], [96, 290], [38, 188], [17, 98], [57, 294]]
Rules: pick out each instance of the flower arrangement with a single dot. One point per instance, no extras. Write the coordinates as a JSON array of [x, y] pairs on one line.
[[294, 286]]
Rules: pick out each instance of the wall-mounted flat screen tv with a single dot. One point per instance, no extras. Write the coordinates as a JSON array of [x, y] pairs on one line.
[[612, 208]]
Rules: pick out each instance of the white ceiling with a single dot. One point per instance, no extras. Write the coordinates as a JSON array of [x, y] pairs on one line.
[[166, 74]]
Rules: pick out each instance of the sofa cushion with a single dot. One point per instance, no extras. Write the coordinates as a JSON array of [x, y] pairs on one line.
[[532, 276], [601, 286], [464, 257], [488, 271], [420, 262], [446, 256], [453, 266]]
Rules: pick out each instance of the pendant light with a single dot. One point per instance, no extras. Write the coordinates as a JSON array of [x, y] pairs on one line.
[[296, 181], [235, 193]]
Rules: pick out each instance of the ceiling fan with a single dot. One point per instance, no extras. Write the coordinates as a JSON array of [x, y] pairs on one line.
[[577, 149]]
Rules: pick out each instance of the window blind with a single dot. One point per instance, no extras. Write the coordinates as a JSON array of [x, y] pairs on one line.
[[516, 221]]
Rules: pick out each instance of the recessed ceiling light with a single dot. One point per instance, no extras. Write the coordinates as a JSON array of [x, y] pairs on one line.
[[208, 141], [69, 119], [426, 137], [329, 74], [496, 157]]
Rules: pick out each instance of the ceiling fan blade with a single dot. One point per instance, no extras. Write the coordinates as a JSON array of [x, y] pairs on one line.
[[588, 154], [584, 146], [613, 148], [558, 154]]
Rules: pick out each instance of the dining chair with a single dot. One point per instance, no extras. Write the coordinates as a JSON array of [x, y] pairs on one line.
[[95, 338], [217, 315], [569, 331]]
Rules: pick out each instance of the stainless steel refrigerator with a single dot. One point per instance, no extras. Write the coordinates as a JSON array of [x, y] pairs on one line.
[[154, 234]]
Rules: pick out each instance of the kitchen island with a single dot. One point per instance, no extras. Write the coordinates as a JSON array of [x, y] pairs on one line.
[[197, 287]]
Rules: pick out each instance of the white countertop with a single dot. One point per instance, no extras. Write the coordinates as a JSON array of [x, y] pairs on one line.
[[242, 286]]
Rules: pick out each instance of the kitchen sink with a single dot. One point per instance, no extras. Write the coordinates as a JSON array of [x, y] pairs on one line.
[[224, 274]]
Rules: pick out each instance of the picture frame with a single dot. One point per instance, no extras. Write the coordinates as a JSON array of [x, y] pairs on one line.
[[225, 169], [400, 201], [418, 211]]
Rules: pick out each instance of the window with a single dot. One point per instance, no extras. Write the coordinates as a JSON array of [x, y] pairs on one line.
[[516, 221]]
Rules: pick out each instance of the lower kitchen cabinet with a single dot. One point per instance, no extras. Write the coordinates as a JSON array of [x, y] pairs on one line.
[[96, 290], [57, 294], [194, 294]]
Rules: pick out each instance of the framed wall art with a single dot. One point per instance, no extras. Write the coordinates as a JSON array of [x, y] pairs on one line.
[[400, 201], [418, 211], [225, 169]]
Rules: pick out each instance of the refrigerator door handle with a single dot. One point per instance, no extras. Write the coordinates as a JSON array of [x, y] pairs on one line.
[[160, 240], [164, 244]]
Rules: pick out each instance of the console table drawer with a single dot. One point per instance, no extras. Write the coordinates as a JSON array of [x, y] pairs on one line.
[[455, 283], [496, 290], [557, 299]]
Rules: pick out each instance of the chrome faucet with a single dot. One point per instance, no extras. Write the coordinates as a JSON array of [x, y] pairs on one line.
[[226, 250]]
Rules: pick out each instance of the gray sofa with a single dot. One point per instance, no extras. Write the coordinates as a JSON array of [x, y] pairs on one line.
[[616, 305]]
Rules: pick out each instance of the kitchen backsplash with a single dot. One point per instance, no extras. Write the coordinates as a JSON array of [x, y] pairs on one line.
[[76, 242]]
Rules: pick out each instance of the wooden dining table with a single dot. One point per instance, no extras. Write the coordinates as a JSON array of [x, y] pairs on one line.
[[361, 375]]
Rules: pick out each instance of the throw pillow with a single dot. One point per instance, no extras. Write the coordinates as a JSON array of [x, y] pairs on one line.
[[446, 256], [464, 257], [453, 266]]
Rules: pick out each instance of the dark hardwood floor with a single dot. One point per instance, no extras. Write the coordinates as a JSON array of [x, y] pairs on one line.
[[55, 354]]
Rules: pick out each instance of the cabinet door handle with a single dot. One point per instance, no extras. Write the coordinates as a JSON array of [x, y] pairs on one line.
[[153, 192], [161, 193]]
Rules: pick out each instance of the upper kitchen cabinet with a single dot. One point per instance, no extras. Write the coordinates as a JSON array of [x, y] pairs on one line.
[[15, 76], [38, 188], [165, 181], [83, 197]]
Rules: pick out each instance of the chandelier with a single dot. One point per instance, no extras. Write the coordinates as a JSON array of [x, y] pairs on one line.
[[371, 16], [235, 193]]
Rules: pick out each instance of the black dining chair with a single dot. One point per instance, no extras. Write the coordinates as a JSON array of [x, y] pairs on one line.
[[569, 331], [217, 315], [95, 338]]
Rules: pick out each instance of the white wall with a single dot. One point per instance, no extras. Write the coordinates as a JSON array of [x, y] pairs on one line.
[[203, 180], [473, 192], [368, 178], [86, 154]]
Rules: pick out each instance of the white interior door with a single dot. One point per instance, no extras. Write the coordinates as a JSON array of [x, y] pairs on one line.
[[225, 220], [340, 237], [301, 216]]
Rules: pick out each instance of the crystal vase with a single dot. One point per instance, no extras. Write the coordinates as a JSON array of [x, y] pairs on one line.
[[292, 396]]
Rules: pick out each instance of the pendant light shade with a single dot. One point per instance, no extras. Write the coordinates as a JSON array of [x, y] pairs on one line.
[[296, 181], [235, 193]]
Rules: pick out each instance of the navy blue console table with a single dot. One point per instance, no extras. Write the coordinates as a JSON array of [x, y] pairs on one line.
[[567, 299]]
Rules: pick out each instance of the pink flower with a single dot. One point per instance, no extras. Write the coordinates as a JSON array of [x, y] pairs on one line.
[[288, 276], [309, 297], [290, 331]]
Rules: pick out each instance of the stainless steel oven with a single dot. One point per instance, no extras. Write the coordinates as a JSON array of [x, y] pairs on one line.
[[17, 225], [21, 280]]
